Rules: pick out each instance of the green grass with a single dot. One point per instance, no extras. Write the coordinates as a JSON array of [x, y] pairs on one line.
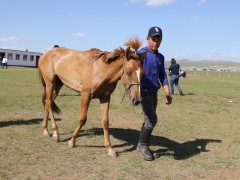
[[197, 136]]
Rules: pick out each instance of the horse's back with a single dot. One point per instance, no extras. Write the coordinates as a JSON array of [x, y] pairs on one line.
[[62, 55], [73, 67]]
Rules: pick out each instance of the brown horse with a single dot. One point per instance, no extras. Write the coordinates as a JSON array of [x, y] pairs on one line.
[[94, 74]]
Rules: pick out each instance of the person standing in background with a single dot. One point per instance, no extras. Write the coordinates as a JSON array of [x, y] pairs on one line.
[[4, 62], [173, 71]]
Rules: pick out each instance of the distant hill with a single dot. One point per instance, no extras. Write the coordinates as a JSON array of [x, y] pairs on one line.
[[206, 64]]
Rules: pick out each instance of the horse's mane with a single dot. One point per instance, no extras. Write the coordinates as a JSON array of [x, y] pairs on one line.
[[108, 57], [94, 50], [134, 43]]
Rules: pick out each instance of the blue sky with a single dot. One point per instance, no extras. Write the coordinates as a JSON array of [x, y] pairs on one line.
[[192, 29]]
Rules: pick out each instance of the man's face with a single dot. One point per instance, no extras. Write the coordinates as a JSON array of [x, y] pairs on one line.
[[154, 42]]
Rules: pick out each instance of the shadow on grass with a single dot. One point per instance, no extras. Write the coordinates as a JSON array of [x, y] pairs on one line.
[[20, 122], [65, 94], [179, 151], [187, 94]]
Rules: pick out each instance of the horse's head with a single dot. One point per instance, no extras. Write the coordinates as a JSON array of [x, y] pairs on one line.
[[132, 73]]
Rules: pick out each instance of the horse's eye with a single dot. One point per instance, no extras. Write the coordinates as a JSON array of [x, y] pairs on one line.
[[129, 73]]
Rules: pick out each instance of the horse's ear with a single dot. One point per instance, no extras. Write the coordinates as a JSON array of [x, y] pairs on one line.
[[128, 53], [143, 55]]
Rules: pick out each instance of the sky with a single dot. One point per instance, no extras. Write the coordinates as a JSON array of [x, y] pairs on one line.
[[192, 29]]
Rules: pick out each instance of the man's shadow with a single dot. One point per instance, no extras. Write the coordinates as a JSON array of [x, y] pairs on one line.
[[169, 147]]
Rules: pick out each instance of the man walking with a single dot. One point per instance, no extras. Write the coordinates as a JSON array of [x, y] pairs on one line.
[[154, 74]]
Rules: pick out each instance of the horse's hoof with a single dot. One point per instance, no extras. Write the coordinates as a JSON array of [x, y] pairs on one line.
[[55, 138], [71, 144], [46, 134], [113, 154], [156, 155]]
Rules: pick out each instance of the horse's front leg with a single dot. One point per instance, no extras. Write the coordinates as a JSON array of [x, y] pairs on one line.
[[85, 100], [105, 123]]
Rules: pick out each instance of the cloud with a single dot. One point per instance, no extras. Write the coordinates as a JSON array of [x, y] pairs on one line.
[[9, 47], [153, 3], [12, 39], [78, 34], [235, 55], [201, 2], [193, 18], [136, 1]]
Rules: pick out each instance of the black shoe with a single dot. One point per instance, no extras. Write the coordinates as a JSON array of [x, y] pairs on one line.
[[181, 93], [143, 144], [145, 152]]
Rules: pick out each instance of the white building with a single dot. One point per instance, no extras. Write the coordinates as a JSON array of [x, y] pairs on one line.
[[20, 58]]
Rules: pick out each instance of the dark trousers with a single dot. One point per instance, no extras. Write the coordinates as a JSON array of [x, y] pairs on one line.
[[4, 64], [149, 105]]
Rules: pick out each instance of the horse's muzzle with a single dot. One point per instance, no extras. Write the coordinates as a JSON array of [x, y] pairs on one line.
[[135, 102]]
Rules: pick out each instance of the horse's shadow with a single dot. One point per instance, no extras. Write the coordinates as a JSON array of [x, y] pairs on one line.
[[21, 122], [169, 147]]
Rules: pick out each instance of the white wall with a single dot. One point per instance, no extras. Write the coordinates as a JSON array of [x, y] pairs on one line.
[[26, 58]]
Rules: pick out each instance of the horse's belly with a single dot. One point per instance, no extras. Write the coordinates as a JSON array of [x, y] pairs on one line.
[[74, 85]]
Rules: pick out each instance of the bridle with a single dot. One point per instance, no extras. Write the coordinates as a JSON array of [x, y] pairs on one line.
[[129, 84]]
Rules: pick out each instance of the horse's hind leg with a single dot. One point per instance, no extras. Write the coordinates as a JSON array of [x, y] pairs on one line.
[[45, 122], [58, 86], [46, 115], [48, 112], [85, 100]]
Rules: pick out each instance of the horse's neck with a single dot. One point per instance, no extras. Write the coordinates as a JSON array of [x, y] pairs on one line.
[[118, 69]]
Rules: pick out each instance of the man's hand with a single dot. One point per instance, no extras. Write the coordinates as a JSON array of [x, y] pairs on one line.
[[169, 99]]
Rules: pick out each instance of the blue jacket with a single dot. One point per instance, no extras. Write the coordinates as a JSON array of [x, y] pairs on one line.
[[174, 69], [154, 70]]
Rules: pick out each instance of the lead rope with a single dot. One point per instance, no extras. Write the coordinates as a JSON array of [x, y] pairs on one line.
[[134, 110], [123, 96]]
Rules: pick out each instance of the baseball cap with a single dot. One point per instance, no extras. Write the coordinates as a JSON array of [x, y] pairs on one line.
[[154, 31], [173, 60]]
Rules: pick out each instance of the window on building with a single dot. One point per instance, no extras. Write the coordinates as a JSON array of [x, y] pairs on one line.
[[10, 56], [17, 56], [25, 57], [31, 58]]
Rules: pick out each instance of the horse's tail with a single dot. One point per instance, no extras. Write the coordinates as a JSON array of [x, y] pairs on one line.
[[55, 108], [44, 86]]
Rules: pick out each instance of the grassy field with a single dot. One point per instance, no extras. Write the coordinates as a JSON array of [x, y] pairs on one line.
[[197, 137]]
